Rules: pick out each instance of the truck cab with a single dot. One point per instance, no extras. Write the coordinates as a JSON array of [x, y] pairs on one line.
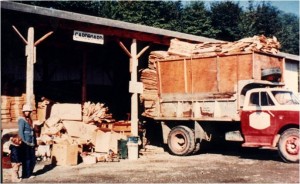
[[270, 118]]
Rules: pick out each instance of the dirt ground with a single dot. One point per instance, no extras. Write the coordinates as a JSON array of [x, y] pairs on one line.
[[229, 164]]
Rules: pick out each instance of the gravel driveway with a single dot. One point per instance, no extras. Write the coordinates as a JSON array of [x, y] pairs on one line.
[[230, 164]]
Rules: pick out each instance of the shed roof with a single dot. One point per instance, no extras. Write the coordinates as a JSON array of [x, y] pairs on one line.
[[138, 31], [112, 27]]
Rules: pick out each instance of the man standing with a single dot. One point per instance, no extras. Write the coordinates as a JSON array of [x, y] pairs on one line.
[[27, 134]]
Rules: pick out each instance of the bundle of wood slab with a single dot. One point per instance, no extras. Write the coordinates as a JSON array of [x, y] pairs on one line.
[[11, 108], [180, 49], [95, 113], [255, 43]]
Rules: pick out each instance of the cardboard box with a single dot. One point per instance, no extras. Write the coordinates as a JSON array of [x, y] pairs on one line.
[[64, 154], [107, 140]]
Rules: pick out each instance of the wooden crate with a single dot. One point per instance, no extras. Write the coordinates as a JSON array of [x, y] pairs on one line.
[[64, 154]]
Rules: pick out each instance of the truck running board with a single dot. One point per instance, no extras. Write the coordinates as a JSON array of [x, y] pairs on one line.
[[234, 136]]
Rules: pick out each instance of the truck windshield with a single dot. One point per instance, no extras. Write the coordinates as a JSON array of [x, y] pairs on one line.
[[285, 97]]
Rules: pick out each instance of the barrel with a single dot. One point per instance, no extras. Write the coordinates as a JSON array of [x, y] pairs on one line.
[[122, 147], [132, 145]]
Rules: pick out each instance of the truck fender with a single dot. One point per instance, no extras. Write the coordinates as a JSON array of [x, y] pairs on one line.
[[200, 133]]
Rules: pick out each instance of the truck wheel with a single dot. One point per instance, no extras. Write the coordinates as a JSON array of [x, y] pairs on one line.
[[288, 145], [181, 140]]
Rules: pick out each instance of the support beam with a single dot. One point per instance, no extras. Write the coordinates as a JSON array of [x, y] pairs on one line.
[[84, 77], [134, 96], [21, 36], [43, 38], [133, 71], [125, 49], [30, 53]]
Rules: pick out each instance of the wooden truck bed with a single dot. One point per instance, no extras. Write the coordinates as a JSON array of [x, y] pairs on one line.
[[206, 87]]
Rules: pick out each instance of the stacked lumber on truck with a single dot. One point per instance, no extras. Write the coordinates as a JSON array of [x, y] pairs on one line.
[[179, 50], [255, 43], [149, 78]]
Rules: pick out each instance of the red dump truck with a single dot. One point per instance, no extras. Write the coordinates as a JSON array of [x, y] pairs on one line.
[[239, 96]]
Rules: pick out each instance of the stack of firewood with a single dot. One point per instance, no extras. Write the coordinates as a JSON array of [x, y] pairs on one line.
[[11, 108], [5, 109], [95, 113]]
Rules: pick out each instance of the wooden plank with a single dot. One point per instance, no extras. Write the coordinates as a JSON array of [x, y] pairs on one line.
[[227, 73], [204, 75], [172, 77], [263, 61], [244, 67]]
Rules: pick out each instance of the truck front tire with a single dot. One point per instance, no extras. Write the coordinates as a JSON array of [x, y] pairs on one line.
[[181, 141], [288, 145]]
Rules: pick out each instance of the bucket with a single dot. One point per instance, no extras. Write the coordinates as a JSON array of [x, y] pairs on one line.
[[123, 151], [132, 145]]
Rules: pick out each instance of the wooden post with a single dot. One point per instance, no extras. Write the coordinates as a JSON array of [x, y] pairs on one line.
[[133, 71], [30, 53], [134, 96], [83, 85]]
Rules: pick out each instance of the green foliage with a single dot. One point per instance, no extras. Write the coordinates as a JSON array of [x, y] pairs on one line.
[[288, 35], [225, 20], [196, 20], [225, 17]]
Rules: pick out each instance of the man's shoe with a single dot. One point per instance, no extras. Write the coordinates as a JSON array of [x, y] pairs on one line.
[[31, 177]]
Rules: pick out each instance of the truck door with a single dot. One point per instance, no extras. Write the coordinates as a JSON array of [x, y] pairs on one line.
[[258, 123]]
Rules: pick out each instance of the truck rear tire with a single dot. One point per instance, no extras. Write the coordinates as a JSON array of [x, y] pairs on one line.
[[181, 141], [288, 145]]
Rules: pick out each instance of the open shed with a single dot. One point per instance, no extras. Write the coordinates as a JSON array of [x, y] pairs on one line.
[[72, 71]]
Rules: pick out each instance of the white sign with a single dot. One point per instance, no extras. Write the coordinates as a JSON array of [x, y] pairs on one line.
[[136, 87], [88, 37], [260, 120]]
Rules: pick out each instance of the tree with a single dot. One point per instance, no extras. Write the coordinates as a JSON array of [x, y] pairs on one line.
[[225, 18], [266, 19], [288, 35], [161, 14], [247, 21], [195, 20]]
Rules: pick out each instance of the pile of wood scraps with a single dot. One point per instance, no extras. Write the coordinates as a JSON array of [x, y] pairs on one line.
[[93, 130], [149, 97], [255, 43], [11, 108], [93, 113]]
